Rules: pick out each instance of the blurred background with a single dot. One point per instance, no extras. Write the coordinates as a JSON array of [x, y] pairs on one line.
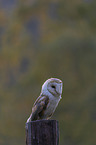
[[42, 39]]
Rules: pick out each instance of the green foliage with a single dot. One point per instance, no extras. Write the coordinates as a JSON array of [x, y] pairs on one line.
[[39, 40]]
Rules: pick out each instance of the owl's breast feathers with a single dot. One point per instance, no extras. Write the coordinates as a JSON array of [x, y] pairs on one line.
[[39, 107]]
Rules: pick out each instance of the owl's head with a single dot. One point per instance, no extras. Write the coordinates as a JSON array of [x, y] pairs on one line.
[[53, 86]]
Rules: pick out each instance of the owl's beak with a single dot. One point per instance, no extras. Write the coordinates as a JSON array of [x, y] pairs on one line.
[[59, 88]]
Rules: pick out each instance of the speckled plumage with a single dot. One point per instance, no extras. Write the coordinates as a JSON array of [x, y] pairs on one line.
[[48, 100]]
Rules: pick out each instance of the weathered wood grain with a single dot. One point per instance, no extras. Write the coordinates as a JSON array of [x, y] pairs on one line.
[[42, 132]]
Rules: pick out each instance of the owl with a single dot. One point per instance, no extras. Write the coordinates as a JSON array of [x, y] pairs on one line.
[[48, 100]]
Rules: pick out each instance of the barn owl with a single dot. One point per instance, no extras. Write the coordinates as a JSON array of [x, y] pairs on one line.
[[48, 100]]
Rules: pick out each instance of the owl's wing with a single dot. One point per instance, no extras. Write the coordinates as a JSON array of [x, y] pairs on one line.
[[39, 107]]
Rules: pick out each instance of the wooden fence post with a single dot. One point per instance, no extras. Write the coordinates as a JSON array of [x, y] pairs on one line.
[[42, 132]]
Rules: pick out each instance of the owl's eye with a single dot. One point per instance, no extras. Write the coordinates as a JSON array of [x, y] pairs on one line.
[[53, 86]]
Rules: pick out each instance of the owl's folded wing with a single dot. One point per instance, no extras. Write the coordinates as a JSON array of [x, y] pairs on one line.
[[39, 107]]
